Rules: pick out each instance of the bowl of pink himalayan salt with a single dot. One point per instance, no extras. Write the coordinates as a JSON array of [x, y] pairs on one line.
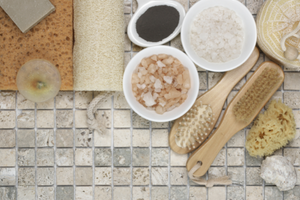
[[161, 83]]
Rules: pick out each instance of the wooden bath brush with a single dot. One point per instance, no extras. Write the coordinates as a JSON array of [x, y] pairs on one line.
[[189, 131], [239, 113]]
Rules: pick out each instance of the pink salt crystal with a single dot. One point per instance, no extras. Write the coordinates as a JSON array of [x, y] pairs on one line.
[[179, 79], [134, 79], [168, 61], [157, 84], [144, 63], [140, 75], [160, 110], [152, 69], [168, 79], [148, 98], [172, 94], [186, 79], [162, 56], [152, 78], [160, 64], [154, 57], [155, 95]]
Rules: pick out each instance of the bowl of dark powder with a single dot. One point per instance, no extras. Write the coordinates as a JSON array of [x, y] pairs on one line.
[[155, 22]]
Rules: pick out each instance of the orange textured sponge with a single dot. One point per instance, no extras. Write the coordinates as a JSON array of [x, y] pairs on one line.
[[51, 39], [271, 130]]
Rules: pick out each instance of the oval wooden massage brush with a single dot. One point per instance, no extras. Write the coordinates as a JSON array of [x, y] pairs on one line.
[[239, 113], [189, 131]]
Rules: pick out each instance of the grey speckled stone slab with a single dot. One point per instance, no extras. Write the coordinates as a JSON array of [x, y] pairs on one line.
[[8, 193], [27, 13], [63, 193]]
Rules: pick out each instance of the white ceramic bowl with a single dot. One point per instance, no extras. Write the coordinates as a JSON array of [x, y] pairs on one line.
[[152, 115], [143, 5], [250, 34]]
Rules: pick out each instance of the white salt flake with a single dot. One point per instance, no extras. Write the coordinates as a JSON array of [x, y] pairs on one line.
[[152, 78], [168, 79], [160, 64], [148, 98], [157, 84]]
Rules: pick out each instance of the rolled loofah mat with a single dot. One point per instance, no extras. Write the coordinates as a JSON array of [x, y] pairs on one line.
[[51, 39], [271, 130], [99, 45]]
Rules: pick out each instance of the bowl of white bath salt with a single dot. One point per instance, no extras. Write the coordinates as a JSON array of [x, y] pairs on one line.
[[219, 35], [161, 83]]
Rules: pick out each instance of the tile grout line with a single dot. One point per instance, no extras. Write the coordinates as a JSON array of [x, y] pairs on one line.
[[131, 149], [112, 147], [16, 143], [150, 160], [93, 159], [74, 140], [169, 166], [54, 149], [35, 148]]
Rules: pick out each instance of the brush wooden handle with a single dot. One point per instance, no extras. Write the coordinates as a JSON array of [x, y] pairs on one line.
[[217, 96], [229, 125]]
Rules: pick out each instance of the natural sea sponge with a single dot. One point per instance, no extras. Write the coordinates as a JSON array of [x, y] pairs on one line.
[[271, 130]]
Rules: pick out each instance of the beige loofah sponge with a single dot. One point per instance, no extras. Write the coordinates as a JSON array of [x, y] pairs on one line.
[[271, 130]]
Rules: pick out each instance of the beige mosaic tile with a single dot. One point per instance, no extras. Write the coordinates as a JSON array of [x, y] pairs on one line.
[[159, 193], [122, 118], [235, 192], [102, 157], [184, 3], [7, 176], [45, 157], [83, 157], [140, 157], [64, 138], [231, 96], [44, 138], [26, 176], [45, 176], [64, 118], [127, 45], [296, 141], [7, 100], [140, 138], [122, 137], [23, 103], [253, 176], [7, 138], [121, 176], [103, 193], [297, 117], [64, 100], [215, 172], [178, 176], [64, 157], [160, 157], [106, 115], [235, 156], [197, 193], [237, 175], [220, 159], [7, 157], [159, 176], [272, 193], [139, 122], [252, 161], [292, 81], [64, 176], [26, 192], [254, 193], [213, 78], [192, 2], [293, 194], [122, 157], [83, 138], [26, 138], [217, 193], [139, 193], [45, 119], [176, 42], [178, 159], [120, 101], [121, 193], [179, 193], [238, 140], [7, 119], [84, 193], [127, 57], [160, 138], [293, 155], [261, 55], [84, 176], [80, 119], [26, 157], [291, 99], [25, 119], [103, 176], [160, 124], [140, 176], [45, 193], [277, 96], [8, 193], [64, 192], [45, 105], [83, 99], [202, 80], [102, 139]]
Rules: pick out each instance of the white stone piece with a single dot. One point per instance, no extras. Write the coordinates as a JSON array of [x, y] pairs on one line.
[[278, 170]]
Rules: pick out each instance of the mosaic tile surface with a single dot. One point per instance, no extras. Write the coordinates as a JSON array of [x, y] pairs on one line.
[[47, 152]]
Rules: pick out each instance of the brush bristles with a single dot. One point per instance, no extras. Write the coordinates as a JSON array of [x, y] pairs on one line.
[[256, 94], [194, 125]]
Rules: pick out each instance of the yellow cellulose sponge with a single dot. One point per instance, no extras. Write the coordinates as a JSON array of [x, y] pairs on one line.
[[271, 130]]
